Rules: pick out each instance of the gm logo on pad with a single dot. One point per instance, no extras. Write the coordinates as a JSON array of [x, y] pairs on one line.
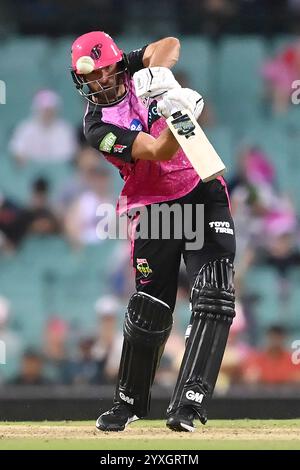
[[194, 396]]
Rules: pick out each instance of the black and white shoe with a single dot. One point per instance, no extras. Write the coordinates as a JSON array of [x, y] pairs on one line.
[[182, 420], [116, 419]]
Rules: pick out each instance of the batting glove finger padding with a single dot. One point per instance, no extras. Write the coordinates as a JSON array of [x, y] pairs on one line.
[[178, 100], [154, 81]]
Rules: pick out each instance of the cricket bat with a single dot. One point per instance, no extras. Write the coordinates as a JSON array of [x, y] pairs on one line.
[[196, 145]]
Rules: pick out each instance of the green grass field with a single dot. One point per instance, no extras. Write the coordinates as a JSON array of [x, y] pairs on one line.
[[152, 435]]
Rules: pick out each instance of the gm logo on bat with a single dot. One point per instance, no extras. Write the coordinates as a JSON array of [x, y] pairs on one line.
[[183, 125]]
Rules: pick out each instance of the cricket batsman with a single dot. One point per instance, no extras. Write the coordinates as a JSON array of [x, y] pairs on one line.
[[136, 140]]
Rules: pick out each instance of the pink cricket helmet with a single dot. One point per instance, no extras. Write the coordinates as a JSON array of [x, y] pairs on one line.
[[97, 45], [103, 51]]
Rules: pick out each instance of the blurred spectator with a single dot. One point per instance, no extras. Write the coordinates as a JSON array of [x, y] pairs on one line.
[[121, 278], [273, 364], [85, 369], [12, 340], [55, 349], [260, 212], [44, 137], [108, 345], [39, 216], [247, 208], [279, 73], [282, 253], [12, 226], [32, 370], [86, 162], [55, 339], [81, 220]]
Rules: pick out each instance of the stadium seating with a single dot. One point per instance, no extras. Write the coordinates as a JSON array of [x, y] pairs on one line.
[[271, 307], [196, 60], [239, 87]]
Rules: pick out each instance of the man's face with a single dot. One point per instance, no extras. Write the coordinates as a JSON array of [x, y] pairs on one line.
[[105, 82]]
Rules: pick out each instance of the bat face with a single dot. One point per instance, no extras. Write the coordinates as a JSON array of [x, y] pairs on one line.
[[196, 145]]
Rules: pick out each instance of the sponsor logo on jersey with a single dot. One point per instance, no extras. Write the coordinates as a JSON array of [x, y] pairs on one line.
[[127, 399], [194, 396], [221, 227], [119, 148], [143, 267], [152, 113], [136, 125], [107, 142]]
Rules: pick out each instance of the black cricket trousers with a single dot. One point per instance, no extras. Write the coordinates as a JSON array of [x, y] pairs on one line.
[[156, 261]]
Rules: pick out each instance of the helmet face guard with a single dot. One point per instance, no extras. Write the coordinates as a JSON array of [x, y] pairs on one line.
[[104, 96]]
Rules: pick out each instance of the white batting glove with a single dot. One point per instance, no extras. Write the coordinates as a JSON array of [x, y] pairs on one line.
[[178, 100], [154, 81]]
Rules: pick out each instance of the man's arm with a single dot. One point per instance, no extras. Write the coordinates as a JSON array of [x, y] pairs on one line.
[[146, 147], [163, 53], [126, 144]]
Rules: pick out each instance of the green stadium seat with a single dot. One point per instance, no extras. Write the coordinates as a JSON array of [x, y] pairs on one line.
[[263, 282], [239, 83], [60, 80], [20, 53], [23, 287], [17, 181], [222, 139], [269, 310], [196, 56]]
